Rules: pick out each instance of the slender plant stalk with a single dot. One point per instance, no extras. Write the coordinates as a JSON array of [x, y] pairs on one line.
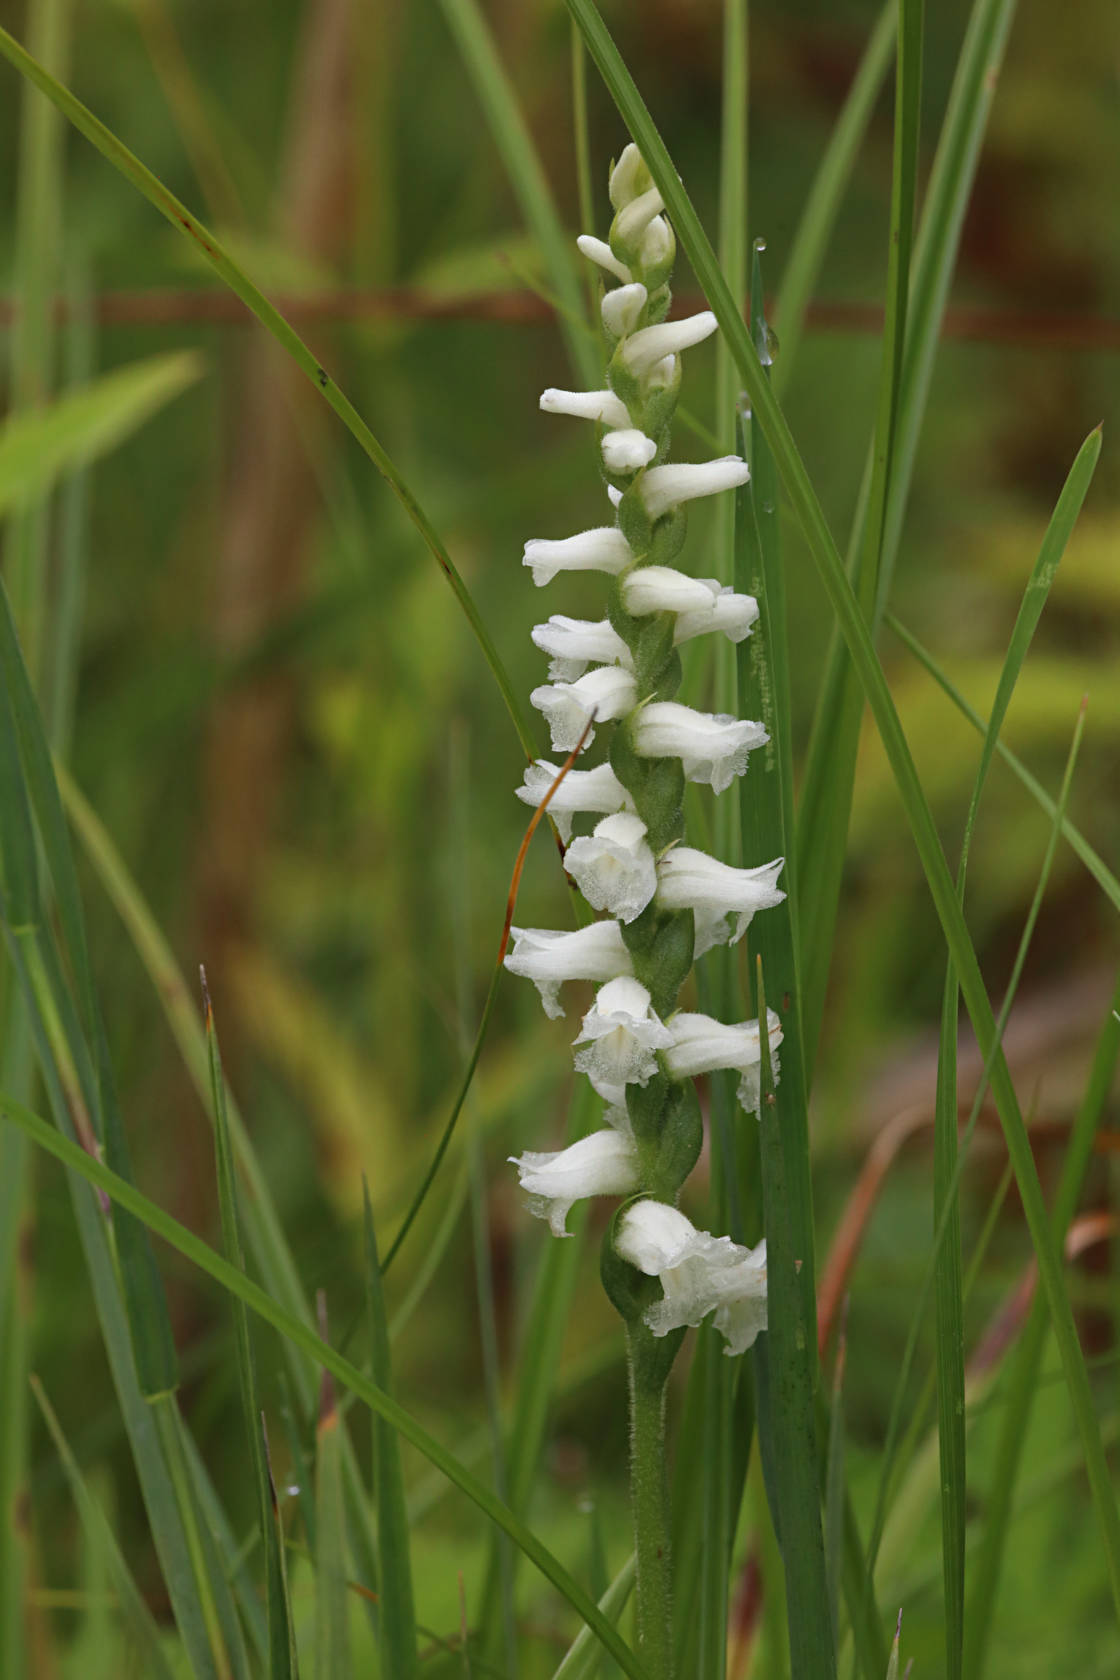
[[649, 1493]]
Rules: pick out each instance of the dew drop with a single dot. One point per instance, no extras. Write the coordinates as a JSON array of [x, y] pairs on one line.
[[768, 349], [759, 245], [292, 1491]]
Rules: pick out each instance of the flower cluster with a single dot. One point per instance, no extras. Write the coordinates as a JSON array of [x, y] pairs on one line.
[[664, 902]]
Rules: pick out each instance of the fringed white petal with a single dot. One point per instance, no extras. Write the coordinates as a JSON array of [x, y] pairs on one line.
[[712, 746], [623, 1036], [608, 692], [603, 1164], [603, 549], [652, 589], [614, 868], [698, 1274], [575, 643], [723, 899], [593, 791], [547, 958], [733, 615], [702, 1044]]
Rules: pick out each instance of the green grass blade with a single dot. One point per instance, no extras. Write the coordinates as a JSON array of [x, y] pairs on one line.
[[818, 218], [397, 1612], [207, 1259], [824, 815], [138, 1618], [792, 1414], [834, 1488], [948, 1281], [515, 145], [823, 549], [38, 448], [580, 1661], [279, 1629], [1028, 1357], [332, 1639], [209, 247], [1090, 857]]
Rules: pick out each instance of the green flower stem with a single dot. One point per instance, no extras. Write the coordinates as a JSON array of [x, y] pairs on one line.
[[649, 1497]]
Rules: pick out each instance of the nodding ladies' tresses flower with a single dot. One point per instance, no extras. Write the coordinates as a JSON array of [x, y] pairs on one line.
[[627, 451], [608, 691], [604, 1164], [595, 952], [576, 643], [666, 487], [666, 900], [581, 790], [704, 1045], [602, 550], [697, 1272], [722, 899], [712, 746], [614, 868], [603, 406], [622, 1035]]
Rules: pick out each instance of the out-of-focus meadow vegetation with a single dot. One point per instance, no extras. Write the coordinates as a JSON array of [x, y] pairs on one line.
[[286, 727]]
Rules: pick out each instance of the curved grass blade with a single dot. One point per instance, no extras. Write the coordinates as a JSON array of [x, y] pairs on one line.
[[138, 1618], [279, 1628], [200, 1254], [209, 247], [515, 146], [396, 1605], [582, 1657], [332, 1639], [1090, 857], [855, 631]]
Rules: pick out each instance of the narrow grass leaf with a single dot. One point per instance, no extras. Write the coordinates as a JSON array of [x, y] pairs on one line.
[[515, 146], [854, 628], [258, 1301], [582, 1658], [818, 218], [332, 1641], [279, 1630], [792, 1414], [397, 1613], [207, 245], [37, 448], [138, 1618], [834, 1486]]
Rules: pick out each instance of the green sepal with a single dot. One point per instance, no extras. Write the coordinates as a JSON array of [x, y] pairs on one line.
[[660, 298], [657, 665], [669, 960], [667, 537]]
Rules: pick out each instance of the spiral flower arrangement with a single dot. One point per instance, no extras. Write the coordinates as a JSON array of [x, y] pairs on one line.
[[665, 902]]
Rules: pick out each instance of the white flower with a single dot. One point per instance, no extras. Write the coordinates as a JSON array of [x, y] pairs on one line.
[[621, 308], [653, 589], [603, 550], [642, 349], [598, 251], [657, 246], [697, 1272], [576, 643], [581, 790], [712, 746], [604, 1164], [633, 219], [622, 1035], [613, 495], [608, 691], [702, 1045], [614, 867], [722, 898], [627, 450], [603, 406], [734, 614], [682, 481], [628, 177], [595, 952]]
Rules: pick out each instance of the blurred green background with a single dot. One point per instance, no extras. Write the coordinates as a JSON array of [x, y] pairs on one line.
[[287, 728]]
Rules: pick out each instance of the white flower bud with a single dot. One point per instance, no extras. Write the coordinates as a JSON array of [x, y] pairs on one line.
[[604, 1164], [653, 589], [614, 867], [603, 406], [608, 691], [604, 549], [576, 643], [628, 178], [657, 246], [697, 1272], [581, 790], [723, 899], [681, 481], [622, 307], [633, 220], [623, 1036], [598, 251], [733, 614], [702, 1045], [712, 746], [627, 451], [595, 952], [667, 338]]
